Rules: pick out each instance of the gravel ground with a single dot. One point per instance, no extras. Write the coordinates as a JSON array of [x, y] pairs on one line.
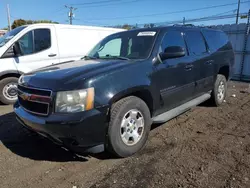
[[205, 147]]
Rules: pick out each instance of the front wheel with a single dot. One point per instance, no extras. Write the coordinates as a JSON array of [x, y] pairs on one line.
[[8, 90], [220, 90], [129, 126]]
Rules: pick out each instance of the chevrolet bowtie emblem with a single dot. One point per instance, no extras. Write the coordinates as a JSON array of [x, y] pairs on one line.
[[35, 98], [25, 96]]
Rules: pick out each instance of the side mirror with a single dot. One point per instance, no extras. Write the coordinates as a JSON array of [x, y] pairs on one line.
[[172, 52], [17, 49]]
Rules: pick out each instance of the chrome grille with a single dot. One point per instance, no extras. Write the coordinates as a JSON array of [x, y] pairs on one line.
[[34, 100]]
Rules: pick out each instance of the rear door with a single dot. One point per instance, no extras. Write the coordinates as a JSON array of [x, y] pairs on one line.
[[203, 61], [175, 76], [39, 49]]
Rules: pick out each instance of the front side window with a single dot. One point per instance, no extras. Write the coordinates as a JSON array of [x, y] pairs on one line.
[[173, 38], [195, 42], [129, 44], [35, 41], [26, 43]]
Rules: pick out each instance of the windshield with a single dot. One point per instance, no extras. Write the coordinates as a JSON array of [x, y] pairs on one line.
[[127, 45], [4, 39]]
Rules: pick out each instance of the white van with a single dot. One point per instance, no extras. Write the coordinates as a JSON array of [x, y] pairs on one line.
[[34, 46]]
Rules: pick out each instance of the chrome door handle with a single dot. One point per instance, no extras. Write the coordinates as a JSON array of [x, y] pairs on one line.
[[209, 62], [189, 67]]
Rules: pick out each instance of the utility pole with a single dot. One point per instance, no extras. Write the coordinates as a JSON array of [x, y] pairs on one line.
[[238, 11], [8, 16], [71, 15]]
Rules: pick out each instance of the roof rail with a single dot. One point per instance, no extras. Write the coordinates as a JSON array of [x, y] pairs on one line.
[[184, 25]]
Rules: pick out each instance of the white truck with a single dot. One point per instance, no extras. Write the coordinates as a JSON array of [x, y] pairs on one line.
[[30, 47]]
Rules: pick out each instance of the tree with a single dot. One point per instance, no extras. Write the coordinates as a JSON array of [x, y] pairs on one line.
[[135, 26], [126, 26], [5, 28], [29, 22], [21, 22], [18, 23]]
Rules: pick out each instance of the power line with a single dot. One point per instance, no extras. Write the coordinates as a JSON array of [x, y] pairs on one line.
[[96, 2], [58, 10], [208, 18], [234, 10], [173, 12], [115, 3]]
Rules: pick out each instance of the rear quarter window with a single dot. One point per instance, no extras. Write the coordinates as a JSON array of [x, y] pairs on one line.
[[216, 40]]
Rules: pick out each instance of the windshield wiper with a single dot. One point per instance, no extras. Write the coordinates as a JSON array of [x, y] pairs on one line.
[[117, 57], [88, 57]]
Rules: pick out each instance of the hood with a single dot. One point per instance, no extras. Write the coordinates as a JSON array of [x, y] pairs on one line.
[[68, 75]]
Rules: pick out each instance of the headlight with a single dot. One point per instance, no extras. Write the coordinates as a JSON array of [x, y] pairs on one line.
[[75, 101]]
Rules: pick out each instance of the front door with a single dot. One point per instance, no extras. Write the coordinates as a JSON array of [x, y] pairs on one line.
[[38, 49], [175, 76]]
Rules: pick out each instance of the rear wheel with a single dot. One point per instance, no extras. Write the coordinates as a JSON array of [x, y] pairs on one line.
[[220, 90], [129, 126], [8, 90]]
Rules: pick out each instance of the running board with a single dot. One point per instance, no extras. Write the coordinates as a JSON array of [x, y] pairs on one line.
[[166, 116]]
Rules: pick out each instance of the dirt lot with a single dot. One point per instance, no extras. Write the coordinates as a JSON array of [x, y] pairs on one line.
[[205, 147]]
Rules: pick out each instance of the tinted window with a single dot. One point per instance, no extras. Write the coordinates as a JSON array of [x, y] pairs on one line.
[[195, 42], [26, 43], [173, 38], [30, 43], [215, 39], [42, 39]]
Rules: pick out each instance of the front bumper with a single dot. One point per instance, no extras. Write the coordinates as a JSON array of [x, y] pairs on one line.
[[79, 130]]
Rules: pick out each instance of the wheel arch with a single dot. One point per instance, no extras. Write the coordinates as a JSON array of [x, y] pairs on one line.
[[7, 74], [224, 70], [142, 92]]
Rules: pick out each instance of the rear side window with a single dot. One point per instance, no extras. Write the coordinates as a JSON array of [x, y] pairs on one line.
[[195, 42], [42, 39], [173, 38], [215, 39]]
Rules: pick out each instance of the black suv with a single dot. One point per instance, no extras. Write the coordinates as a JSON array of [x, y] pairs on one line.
[[131, 79]]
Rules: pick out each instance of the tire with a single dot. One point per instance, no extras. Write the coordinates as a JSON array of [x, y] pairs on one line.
[[215, 99], [3, 96], [135, 108]]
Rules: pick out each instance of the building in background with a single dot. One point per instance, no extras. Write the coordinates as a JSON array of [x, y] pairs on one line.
[[2, 32]]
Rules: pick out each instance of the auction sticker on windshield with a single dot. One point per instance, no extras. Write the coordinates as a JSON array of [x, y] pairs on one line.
[[147, 33]]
